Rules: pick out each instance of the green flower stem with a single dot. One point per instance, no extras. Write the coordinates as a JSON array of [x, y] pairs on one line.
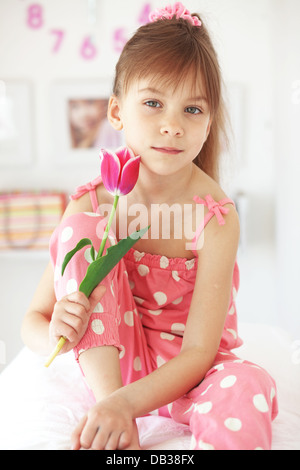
[[105, 235], [57, 349]]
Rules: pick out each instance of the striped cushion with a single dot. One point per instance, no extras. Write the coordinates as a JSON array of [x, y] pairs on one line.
[[28, 219]]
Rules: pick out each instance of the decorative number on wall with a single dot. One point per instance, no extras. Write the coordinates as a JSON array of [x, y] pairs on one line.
[[143, 17], [88, 50], [36, 18], [58, 39], [120, 35], [119, 39]]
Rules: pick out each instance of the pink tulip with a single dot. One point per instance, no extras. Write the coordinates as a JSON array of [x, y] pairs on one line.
[[119, 170]]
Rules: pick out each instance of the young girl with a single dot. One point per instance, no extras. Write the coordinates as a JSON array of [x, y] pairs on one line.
[[159, 333]]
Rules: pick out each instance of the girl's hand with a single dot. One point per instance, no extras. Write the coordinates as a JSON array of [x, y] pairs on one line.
[[71, 316], [107, 426]]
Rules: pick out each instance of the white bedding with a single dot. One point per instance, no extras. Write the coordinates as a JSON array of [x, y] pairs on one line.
[[39, 407]]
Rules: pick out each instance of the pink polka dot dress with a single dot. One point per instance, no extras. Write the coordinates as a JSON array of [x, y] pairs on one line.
[[143, 313]]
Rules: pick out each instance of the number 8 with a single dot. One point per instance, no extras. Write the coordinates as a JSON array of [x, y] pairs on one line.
[[35, 16]]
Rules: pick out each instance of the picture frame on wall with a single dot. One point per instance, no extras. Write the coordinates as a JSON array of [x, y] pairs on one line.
[[79, 124], [16, 123]]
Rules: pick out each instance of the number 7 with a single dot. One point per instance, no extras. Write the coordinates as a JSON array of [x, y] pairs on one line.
[[59, 37]]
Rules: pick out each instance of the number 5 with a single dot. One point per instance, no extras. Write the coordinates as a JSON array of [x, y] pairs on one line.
[[119, 39]]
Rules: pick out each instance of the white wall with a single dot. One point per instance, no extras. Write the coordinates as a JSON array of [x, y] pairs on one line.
[[248, 35], [286, 109]]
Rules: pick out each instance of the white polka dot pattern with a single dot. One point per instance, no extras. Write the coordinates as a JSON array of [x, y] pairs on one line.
[[233, 424], [97, 326]]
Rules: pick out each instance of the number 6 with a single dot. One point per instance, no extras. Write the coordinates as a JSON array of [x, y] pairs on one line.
[[88, 50]]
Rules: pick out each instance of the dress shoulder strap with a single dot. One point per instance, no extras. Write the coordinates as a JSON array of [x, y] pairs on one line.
[[214, 209], [89, 188]]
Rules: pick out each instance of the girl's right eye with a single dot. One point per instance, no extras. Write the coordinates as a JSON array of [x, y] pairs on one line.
[[152, 104]]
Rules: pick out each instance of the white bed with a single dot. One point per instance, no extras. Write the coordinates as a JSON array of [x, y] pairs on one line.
[[39, 407]]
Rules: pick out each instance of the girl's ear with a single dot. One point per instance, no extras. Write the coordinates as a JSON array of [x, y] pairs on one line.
[[113, 113]]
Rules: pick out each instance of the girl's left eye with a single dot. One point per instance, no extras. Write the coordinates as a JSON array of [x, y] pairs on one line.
[[193, 110]]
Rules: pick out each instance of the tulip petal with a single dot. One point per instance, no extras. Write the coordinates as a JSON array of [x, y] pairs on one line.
[[124, 154], [129, 176], [110, 171]]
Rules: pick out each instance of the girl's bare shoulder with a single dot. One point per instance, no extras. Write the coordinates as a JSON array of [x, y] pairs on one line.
[[83, 203], [207, 186], [204, 185]]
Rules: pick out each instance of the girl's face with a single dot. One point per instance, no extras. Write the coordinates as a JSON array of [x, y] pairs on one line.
[[166, 126]]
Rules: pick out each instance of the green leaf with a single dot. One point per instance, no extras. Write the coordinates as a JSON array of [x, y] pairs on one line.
[[69, 256], [92, 253], [99, 268]]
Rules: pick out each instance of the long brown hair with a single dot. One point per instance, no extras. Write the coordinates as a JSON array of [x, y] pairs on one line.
[[168, 50]]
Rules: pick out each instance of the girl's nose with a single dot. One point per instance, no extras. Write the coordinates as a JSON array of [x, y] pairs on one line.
[[171, 128]]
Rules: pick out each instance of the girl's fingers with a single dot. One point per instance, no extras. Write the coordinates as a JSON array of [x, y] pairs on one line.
[[93, 436], [124, 440], [113, 440], [100, 439], [96, 296], [72, 313], [79, 298], [75, 437], [89, 435], [69, 331], [68, 325]]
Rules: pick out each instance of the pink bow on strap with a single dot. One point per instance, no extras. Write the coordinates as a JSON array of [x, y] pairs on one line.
[[214, 207], [81, 190]]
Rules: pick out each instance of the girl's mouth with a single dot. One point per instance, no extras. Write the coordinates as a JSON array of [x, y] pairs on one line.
[[167, 150]]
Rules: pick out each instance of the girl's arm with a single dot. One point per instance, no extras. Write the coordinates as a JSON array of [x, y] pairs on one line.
[[201, 340], [44, 322]]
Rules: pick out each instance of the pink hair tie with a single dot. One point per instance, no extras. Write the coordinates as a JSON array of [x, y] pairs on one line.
[[177, 10]]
